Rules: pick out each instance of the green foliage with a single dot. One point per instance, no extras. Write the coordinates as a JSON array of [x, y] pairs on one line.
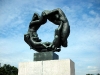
[[8, 70], [93, 74], [89, 74]]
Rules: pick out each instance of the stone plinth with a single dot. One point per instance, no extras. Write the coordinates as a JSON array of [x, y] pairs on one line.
[[49, 67], [45, 56], [30, 68]]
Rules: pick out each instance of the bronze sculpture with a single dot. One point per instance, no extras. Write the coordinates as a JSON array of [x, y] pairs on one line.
[[57, 17]]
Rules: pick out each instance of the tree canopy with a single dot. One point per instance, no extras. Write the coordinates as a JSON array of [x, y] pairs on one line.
[[7, 69]]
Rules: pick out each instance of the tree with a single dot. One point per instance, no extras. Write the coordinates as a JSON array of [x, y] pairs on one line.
[[8, 70]]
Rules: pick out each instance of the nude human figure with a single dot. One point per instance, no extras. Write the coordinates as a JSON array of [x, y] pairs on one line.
[[57, 17], [32, 38]]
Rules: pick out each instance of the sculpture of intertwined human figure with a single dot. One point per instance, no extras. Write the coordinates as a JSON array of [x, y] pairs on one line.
[[55, 16]]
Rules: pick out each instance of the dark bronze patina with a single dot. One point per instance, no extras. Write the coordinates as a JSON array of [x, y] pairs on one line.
[[55, 16]]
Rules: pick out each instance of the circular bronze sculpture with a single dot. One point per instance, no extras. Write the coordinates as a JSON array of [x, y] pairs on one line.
[[55, 16]]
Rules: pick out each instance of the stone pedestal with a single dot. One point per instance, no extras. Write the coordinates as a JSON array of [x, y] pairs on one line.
[[49, 67], [45, 56]]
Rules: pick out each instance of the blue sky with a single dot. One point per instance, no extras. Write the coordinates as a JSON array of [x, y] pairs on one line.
[[83, 42]]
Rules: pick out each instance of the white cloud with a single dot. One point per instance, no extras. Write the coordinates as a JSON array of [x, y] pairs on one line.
[[93, 12], [93, 69], [90, 5]]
